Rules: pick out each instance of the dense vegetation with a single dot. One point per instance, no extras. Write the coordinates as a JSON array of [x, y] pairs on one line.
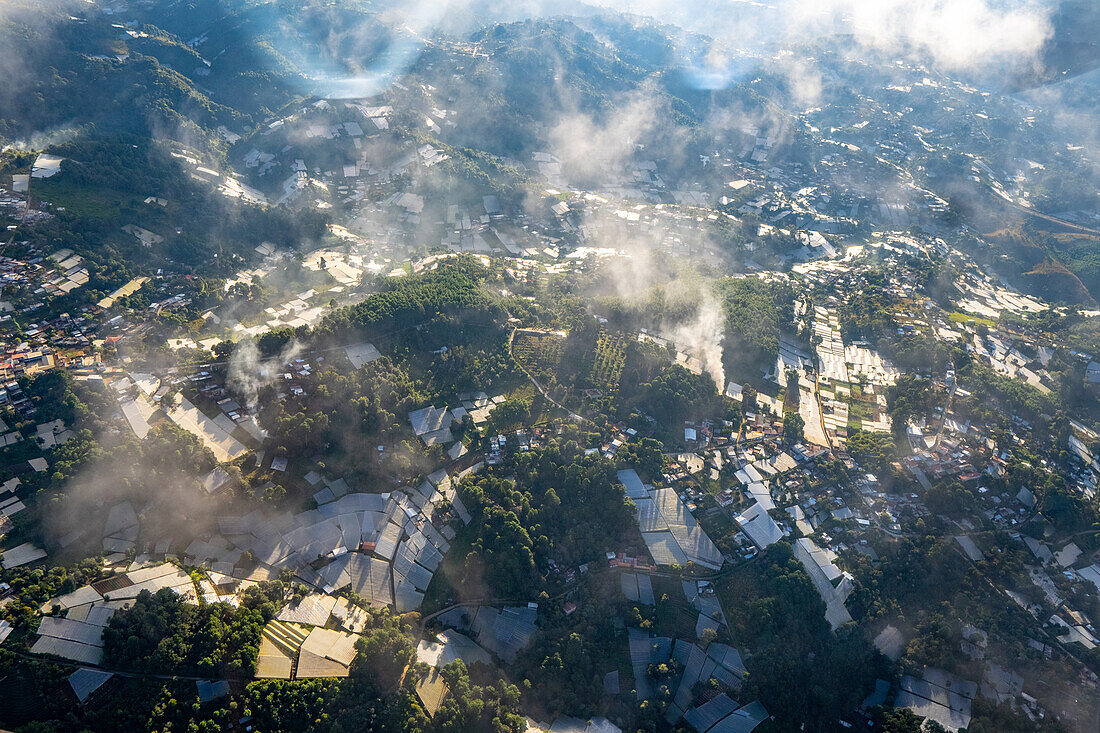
[[346, 415], [800, 670], [405, 302], [866, 316], [873, 450], [674, 396], [756, 311], [562, 505], [994, 396], [911, 398], [161, 633], [446, 329]]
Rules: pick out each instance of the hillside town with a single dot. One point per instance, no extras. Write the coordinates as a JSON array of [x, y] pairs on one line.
[[612, 395]]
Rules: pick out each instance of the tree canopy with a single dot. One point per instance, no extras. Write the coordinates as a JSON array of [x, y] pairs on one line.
[[161, 633]]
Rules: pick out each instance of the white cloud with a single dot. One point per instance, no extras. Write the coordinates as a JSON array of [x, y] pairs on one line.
[[957, 34], [591, 148]]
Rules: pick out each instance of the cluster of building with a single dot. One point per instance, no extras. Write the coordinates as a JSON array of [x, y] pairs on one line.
[[696, 665], [669, 529]]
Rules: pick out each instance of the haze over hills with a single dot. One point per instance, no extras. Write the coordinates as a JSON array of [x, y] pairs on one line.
[[538, 79], [549, 366]]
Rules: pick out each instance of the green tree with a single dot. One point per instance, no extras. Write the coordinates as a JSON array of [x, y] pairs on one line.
[[793, 427]]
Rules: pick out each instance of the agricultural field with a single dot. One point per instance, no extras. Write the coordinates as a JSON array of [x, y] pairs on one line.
[[538, 353], [607, 362]]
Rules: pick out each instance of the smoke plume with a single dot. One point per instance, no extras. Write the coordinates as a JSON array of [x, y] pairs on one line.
[[702, 336], [249, 372]]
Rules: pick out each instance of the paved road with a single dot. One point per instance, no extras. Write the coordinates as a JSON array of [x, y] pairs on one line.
[[1053, 220]]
